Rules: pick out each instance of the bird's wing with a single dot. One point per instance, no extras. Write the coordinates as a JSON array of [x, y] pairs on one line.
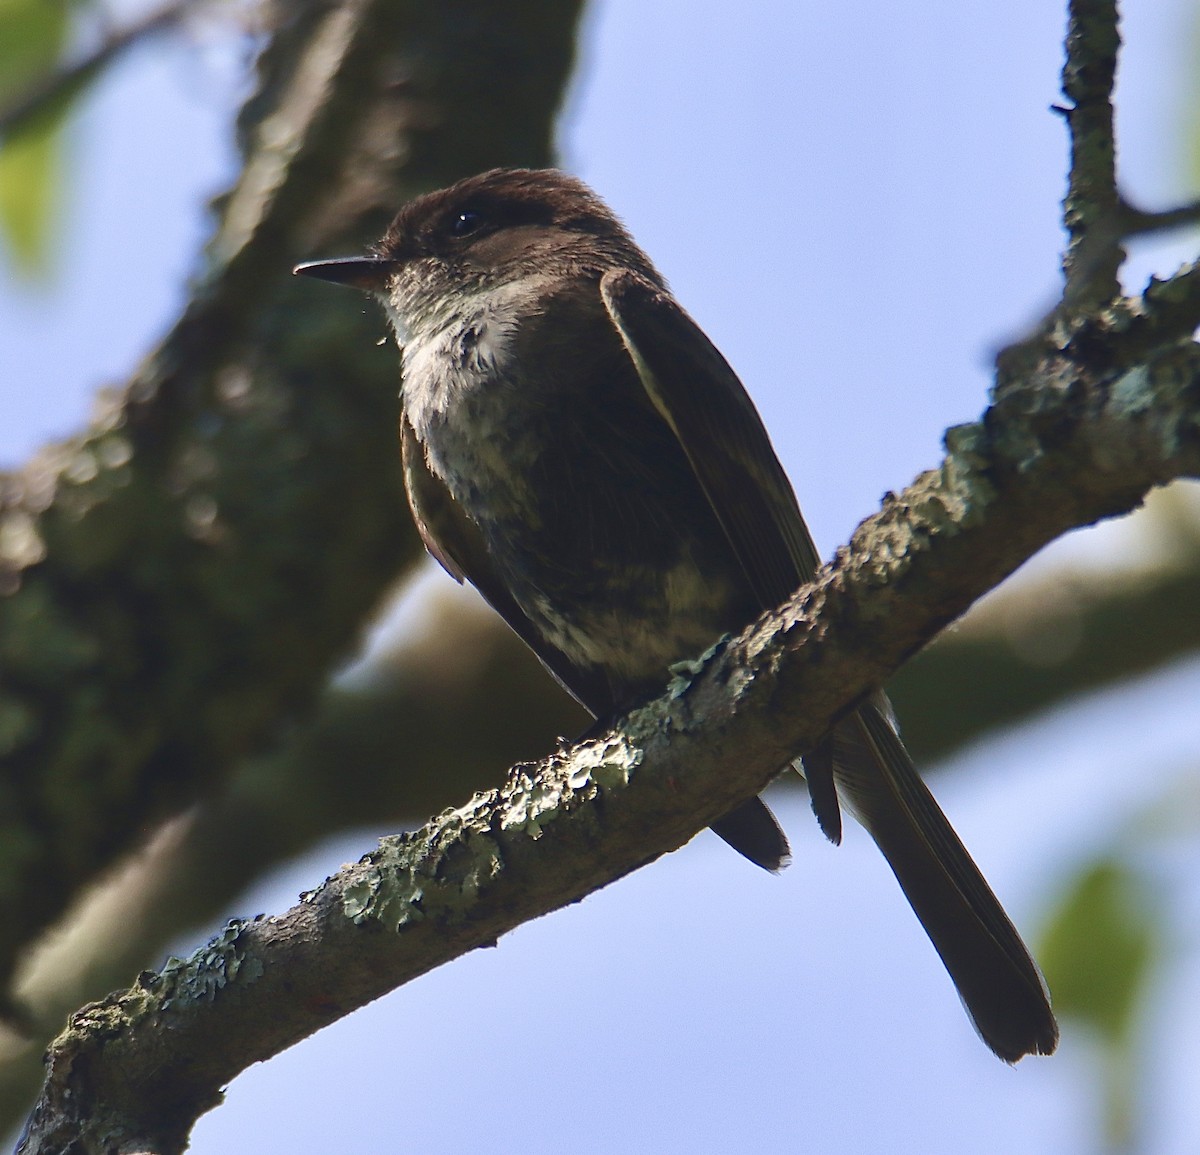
[[701, 399], [456, 543], [703, 402]]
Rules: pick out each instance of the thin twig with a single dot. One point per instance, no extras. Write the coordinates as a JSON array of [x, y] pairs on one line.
[[1136, 222], [61, 83], [1091, 210]]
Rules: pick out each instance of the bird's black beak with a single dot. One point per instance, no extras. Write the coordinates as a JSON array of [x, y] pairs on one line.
[[367, 273]]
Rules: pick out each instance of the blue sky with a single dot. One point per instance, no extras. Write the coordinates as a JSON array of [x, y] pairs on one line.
[[858, 205]]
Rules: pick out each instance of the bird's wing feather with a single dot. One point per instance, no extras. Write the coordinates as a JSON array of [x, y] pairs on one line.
[[700, 397]]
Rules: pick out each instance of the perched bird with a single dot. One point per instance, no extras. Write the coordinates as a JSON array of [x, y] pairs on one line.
[[577, 449]]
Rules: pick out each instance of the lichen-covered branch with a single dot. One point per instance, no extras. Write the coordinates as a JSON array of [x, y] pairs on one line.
[[1091, 208], [1070, 447], [1037, 645]]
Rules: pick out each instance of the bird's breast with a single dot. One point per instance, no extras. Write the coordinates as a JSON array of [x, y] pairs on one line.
[[462, 396]]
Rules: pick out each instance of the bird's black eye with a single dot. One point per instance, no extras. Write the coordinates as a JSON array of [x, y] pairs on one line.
[[466, 222]]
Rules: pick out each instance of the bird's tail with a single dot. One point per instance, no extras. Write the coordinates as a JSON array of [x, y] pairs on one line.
[[997, 979]]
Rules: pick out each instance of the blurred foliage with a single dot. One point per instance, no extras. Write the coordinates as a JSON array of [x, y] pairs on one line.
[[1063, 638], [33, 34], [1098, 948], [1099, 951]]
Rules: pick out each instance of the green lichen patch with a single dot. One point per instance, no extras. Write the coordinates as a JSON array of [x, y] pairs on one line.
[[441, 871], [1131, 393], [425, 876], [217, 964], [684, 673], [391, 896]]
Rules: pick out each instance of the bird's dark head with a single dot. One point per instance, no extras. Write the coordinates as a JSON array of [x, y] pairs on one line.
[[497, 228]]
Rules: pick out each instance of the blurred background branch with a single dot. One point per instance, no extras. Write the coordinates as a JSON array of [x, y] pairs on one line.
[[180, 579], [58, 87]]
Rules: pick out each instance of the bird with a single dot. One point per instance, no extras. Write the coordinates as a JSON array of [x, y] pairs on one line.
[[576, 448]]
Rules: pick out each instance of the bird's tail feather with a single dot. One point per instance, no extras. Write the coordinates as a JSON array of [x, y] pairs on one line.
[[752, 831], [996, 977]]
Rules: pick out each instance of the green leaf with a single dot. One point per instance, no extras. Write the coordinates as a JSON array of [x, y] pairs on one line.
[[1099, 946], [1098, 952], [32, 37], [29, 166]]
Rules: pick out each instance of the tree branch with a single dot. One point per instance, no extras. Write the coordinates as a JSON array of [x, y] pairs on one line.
[[1091, 209], [1035, 645], [1069, 447]]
